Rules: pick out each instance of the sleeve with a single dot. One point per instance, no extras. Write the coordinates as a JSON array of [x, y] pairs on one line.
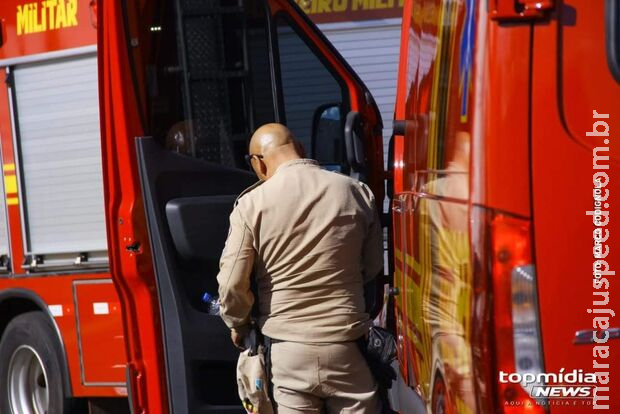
[[372, 250], [236, 297]]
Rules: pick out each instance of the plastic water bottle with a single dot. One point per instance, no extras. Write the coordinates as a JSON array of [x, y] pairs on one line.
[[212, 303]]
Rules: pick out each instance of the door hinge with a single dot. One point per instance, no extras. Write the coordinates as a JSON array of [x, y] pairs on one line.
[[507, 10]]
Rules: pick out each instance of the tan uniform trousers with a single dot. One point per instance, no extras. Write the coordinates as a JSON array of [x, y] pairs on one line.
[[322, 378]]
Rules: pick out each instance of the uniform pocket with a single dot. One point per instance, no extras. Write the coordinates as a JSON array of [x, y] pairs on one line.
[[294, 366]]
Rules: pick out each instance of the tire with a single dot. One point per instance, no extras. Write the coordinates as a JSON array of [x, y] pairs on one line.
[[31, 373]]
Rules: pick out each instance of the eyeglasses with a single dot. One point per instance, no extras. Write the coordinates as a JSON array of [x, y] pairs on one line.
[[248, 158]]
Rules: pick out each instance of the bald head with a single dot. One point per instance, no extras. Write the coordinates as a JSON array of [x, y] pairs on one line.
[[277, 145], [270, 136]]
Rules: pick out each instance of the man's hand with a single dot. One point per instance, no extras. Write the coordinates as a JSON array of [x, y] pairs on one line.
[[238, 338]]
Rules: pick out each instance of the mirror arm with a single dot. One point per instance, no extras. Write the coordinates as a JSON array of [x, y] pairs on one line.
[[353, 141]]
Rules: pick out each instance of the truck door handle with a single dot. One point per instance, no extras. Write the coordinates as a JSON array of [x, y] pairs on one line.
[[585, 336]]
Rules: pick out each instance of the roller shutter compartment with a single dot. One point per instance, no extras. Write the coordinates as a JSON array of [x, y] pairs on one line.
[[59, 148]]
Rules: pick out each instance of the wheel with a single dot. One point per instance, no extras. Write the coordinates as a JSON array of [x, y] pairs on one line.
[[31, 374]]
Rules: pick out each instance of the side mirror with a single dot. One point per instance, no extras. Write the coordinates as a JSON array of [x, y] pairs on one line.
[[327, 136]]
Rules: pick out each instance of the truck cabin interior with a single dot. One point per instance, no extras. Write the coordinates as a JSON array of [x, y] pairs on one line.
[[207, 74]]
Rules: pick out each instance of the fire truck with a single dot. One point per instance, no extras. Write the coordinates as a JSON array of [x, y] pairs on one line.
[[123, 126], [503, 153], [60, 315], [123, 130]]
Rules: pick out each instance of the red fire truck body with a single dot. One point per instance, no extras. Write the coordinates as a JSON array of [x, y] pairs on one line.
[[495, 164], [42, 43]]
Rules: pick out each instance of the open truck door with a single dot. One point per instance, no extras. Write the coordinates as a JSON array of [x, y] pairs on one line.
[[183, 86]]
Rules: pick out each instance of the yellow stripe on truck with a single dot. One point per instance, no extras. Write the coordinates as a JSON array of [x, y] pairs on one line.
[[10, 184]]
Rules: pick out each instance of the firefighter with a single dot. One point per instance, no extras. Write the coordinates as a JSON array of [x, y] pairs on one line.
[[313, 239]]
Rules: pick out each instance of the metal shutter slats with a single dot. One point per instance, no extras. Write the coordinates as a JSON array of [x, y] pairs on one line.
[[60, 148]]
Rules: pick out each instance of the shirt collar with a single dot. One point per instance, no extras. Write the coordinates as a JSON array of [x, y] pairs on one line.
[[298, 161]]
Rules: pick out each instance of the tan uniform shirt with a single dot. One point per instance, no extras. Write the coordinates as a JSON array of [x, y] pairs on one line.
[[313, 238]]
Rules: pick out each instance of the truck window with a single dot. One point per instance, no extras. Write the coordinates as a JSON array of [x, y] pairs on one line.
[[203, 77], [310, 92], [207, 79], [56, 124]]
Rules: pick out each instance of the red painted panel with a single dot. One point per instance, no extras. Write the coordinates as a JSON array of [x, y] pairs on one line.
[[562, 190], [57, 293], [126, 224], [501, 150], [101, 332], [35, 26]]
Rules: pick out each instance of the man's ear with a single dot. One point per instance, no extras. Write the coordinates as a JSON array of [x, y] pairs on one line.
[[262, 167]]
